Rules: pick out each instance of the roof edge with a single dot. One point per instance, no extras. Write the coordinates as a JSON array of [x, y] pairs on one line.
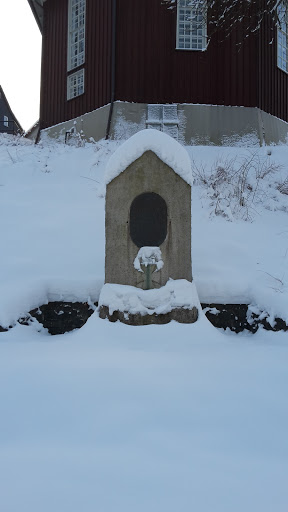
[[37, 9], [10, 109]]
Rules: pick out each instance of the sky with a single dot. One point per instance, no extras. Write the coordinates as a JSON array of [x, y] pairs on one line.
[[20, 58]]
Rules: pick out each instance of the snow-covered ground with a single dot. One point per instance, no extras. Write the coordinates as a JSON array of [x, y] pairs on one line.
[[52, 226], [156, 418]]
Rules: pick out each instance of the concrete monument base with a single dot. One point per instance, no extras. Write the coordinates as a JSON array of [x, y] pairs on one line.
[[181, 315], [177, 300]]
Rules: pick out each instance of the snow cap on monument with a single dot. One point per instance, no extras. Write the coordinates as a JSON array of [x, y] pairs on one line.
[[165, 147]]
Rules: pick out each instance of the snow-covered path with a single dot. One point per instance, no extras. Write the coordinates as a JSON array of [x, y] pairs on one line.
[[156, 418]]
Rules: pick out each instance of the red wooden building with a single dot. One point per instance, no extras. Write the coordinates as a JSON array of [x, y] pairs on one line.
[[110, 67]]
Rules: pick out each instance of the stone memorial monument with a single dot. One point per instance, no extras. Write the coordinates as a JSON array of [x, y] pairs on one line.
[[148, 226]]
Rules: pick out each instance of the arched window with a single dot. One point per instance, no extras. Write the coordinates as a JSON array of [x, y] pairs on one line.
[[148, 220]]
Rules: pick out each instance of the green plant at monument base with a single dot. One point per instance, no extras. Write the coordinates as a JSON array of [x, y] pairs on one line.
[[148, 272]]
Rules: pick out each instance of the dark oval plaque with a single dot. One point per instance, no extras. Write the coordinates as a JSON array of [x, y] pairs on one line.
[[148, 220]]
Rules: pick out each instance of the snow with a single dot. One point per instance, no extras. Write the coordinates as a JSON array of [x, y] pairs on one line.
[[51, 221], [148, 256], [128, 299], [157, 418], [52, 200], [166, 148]]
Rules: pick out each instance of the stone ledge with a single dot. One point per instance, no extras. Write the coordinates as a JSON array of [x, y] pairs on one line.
[[181, 315], [235, 317], [61, 317], [75, 315]]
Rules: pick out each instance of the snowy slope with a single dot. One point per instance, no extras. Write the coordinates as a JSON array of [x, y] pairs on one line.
[[52, 226]]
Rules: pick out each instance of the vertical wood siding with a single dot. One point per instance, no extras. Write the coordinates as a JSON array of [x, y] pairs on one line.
[[148, 67], [273, 82], [54, 105]]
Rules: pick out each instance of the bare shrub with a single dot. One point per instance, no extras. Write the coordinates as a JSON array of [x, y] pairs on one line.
[[236, 185], [283, 187]]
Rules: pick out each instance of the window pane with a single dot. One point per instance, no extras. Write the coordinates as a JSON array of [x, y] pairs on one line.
[[76, 36], [282, 38], [191, 22], [75, 84]]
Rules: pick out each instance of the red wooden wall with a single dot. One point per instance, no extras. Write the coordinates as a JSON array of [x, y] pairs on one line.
[[273, 82], [54, 106], [148, 67]]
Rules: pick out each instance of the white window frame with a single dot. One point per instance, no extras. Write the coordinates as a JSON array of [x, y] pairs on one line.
[[191, 31], [163, 117], [282, 38], [6, 121], [76, 33], [75, 84]]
